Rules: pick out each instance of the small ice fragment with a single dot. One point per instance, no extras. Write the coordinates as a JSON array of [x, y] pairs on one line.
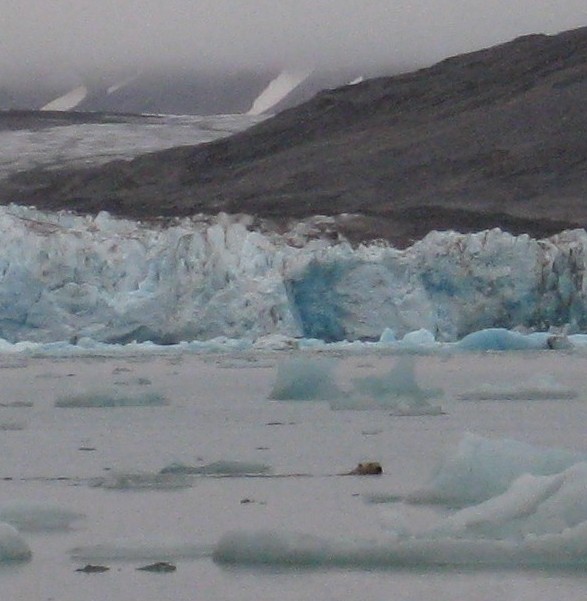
[[110, 398]]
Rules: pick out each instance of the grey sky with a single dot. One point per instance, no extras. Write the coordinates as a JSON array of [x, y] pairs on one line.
[[51, 35]]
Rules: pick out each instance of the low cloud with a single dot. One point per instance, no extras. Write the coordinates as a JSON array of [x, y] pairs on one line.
[[60, 36]]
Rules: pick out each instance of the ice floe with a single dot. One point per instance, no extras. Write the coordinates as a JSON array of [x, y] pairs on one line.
[[143, 549], [539, 389], [142, 481], [37, 516], [218, 468], [110, 398]]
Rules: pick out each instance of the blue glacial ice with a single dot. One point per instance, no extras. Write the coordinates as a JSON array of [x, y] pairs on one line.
[[91, 280], [533, 514]]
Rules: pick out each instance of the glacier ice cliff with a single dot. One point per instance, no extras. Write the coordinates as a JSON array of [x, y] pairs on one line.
[[68, 277]]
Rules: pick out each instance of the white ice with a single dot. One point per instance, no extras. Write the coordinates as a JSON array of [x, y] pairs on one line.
[[95, 143], [481, 468], [100, 279]]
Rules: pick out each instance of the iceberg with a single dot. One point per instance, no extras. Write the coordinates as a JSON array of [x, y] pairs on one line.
[[481, 468], [501, 339], [304, 379], [540, 389], [397, 392], [12, 545], [88, 280]]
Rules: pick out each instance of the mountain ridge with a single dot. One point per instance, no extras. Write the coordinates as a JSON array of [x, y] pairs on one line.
[[492, 138]]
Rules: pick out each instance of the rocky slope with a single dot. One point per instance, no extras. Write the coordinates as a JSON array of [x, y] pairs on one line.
[[491, 138]]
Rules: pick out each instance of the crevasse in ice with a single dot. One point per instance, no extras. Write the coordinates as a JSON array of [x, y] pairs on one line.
[[66, 277]]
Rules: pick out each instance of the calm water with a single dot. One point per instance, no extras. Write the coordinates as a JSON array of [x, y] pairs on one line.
[[218, 409]]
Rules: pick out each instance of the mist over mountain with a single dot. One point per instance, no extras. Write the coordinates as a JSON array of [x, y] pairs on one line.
[[172, 91], [493, 138]]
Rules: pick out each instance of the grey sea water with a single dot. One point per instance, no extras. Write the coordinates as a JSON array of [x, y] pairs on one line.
[[104, 463]]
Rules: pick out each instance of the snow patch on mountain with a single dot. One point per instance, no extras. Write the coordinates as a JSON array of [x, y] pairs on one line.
[[68, 101], [278, 89]]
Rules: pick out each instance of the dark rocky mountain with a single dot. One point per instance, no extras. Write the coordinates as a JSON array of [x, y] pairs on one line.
[[491, 138]]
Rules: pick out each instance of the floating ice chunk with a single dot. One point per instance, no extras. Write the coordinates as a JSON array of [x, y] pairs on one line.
[[397, 392], [505, 515], [500, 339], [111, 398], [545, 388], [563, 549], [12, 426], [12, 545], [578, 340], [399, 406], [219, 468], [275, 342], [532, 507], [418, 338], [400, 381], [304, 379], [387, 336], [148, 550], [143, 481], [482, 468], [38, 516]]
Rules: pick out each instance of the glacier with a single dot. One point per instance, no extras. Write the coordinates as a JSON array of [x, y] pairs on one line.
[[65, 277]]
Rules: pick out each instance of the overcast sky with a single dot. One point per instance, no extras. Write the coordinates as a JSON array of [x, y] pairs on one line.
[[49, 35]]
